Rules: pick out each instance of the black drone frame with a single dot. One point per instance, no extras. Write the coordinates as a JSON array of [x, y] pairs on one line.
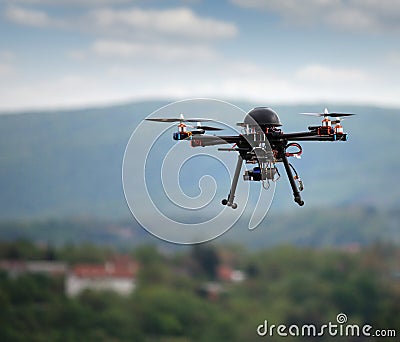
[[278, 141], [262, 144]]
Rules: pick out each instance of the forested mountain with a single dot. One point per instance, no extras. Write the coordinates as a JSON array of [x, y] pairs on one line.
[[68, 163]]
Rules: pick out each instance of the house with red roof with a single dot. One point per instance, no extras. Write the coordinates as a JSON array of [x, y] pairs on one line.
[[228, 274], [118, 275]]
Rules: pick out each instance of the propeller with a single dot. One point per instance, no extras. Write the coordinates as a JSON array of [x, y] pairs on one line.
[[207, 128], [180, 119], [327, 113], [163, 120]]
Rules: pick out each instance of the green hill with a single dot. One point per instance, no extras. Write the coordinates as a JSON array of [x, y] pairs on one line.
[[341, 227], [68, 163]]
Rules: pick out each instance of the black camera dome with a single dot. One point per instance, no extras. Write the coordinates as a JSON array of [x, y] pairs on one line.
[[262, 116]]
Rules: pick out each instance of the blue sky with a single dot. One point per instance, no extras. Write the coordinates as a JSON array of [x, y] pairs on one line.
[[71, 53]]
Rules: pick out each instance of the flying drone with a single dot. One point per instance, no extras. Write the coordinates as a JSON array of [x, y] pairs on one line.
[[261, 143]]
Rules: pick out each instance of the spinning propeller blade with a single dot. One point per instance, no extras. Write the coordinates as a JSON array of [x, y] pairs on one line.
[[164, 119], [327, 113], [208, 128], [181, 119], [340, 115], [197, 120]]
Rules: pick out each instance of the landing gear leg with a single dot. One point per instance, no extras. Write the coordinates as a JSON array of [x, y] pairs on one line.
[[229, 202], [296, 192]]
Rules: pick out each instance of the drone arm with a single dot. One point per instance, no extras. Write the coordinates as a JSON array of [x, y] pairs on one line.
[[211, 140], [294, 136], [312, 136], [342, 137]]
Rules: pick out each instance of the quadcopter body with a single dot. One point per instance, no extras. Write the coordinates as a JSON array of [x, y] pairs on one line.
[[263, 144]]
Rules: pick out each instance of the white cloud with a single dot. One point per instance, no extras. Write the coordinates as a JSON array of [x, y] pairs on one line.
[[6, 55], [6, 63], [130, 22], [27, 16], [324, 74], [31, 17], [123, 81], [393, 58], [372, 15], [180, 22], [77, 55], [6, 69], [67, 91], [151, 51], [182, 60], [69, 2], [176, 22]]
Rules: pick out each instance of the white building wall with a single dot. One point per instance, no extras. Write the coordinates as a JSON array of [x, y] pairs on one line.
[[75, 285]]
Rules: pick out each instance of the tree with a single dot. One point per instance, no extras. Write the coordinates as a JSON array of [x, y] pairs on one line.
[[206, 259]]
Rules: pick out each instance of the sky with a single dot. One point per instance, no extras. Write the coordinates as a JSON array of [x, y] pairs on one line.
[[79, 53]]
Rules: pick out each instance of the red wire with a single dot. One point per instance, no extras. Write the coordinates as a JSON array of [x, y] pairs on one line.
[[292, 154]]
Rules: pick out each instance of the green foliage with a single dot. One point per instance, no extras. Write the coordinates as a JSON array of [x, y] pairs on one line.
[[331, 227], [22, 249], [206, 260], [285, 285], [305, 227]]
